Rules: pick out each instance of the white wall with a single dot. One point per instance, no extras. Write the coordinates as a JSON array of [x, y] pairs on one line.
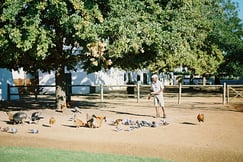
[[6, 77], [80, 77], [110, 77], [47, 79], [18, 74]]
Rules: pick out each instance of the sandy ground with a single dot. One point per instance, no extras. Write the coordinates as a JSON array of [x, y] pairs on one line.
[[219, 138]]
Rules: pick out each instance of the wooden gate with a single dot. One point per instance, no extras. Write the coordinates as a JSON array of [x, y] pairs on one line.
[[234, 91]]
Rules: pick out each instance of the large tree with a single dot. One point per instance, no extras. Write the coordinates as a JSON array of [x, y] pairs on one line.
[[162, 35], [95, 34], [48, 35]]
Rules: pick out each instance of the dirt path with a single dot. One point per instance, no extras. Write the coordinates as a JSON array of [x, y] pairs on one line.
[[219, 138]]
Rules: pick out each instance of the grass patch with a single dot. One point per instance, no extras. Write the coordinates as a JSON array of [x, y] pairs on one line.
[[27, 154]]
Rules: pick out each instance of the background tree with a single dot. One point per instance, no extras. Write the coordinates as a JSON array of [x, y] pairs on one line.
[[228, 34], [192, 25], [162, 35]]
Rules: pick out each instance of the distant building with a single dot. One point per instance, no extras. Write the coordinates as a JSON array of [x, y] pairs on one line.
[[90, 82], [80, 77], [109, 77]]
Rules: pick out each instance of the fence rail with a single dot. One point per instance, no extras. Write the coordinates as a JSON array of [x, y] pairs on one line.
[[234, 91], [138, 91]]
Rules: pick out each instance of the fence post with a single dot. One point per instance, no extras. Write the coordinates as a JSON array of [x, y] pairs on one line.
[[179, 95], [36, 92], [8, 92], [138, 92], [101, 92], [224, 93], [228, 93]]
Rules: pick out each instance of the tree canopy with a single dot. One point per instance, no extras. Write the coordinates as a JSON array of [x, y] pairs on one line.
[[160, 35], [95, 34], [228, 34], [45, 34], [35, 33]]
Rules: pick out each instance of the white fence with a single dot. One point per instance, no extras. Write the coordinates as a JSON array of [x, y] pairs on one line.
[[138, 91]]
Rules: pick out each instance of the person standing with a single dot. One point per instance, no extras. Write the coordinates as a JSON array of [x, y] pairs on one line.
[[157, 92]]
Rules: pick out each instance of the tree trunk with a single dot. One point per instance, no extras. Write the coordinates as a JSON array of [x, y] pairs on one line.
[[60, 87], [191, 79], [217, 80]]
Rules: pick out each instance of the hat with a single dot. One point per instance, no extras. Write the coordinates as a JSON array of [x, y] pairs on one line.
[[154, 76]]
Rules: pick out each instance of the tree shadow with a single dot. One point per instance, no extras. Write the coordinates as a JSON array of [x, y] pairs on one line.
[[20, 105], [23, 105]]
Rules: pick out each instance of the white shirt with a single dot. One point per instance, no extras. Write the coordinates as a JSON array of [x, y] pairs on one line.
[[157, 87]]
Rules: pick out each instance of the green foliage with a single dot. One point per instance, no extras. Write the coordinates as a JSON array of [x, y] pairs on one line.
[[154, 34], [228, 34], [32, 33], [43, 35], [161, 36]]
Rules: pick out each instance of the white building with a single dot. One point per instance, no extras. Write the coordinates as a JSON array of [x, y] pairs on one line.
[[7, 78], [109, 77], [80, 77]]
